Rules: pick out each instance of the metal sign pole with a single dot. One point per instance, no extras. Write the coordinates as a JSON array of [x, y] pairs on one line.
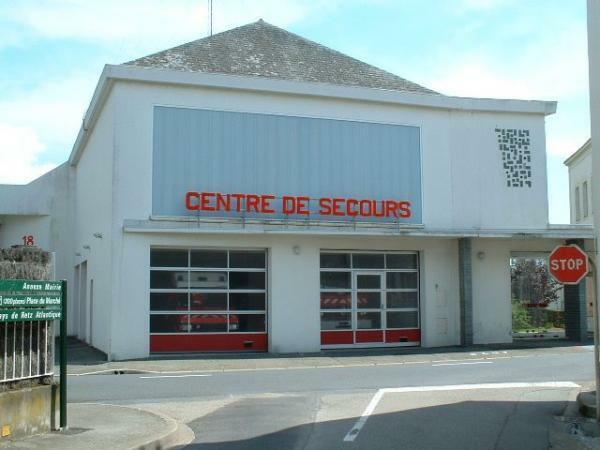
[[63, 356]]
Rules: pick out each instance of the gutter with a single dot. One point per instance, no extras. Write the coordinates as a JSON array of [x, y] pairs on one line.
[[254, 226]]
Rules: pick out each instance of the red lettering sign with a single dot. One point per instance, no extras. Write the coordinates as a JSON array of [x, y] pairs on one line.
[[291, 205]]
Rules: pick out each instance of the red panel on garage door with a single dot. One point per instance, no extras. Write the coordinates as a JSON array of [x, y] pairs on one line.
[[369, 336], [402, 336], [337, 337], [208, 342]]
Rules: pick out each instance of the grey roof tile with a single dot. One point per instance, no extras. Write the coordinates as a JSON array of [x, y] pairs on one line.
[[264, 50]]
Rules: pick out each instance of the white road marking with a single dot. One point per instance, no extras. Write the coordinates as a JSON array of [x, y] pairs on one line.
[[179, 376], [462, 363], [458, 360], [364, 417], [360, 423]]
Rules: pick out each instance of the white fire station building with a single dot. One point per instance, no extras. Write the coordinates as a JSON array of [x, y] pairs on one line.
[[257, 191]]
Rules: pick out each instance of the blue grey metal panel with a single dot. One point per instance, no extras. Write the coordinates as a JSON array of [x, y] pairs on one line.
[[231, 152]]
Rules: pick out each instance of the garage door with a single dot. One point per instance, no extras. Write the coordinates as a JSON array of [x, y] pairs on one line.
[[369, 299], [205, 300]]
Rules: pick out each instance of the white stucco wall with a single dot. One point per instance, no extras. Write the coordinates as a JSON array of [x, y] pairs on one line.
[[43, 209], [94, 201], [492, 310], [14, 228], [294, 308], [464, 185], [580, 171]]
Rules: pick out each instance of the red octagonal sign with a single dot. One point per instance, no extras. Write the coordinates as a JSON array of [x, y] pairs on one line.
[[568, 264]]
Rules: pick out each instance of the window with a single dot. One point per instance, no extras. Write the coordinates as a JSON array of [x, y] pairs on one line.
[[208, 291], [577, 205], [585, 199], [369, 291]]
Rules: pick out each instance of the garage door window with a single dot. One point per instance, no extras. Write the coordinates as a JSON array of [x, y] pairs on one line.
[[369, 297], [207, 291]]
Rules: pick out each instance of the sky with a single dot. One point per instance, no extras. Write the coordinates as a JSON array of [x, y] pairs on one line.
[[52, 53]]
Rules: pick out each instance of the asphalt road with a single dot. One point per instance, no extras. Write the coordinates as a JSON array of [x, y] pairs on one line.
[[137, 388], [319, 408]]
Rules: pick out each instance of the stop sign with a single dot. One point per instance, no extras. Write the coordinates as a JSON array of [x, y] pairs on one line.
[[568, 264]]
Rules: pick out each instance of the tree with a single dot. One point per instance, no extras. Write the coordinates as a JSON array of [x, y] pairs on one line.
[[533, 287]]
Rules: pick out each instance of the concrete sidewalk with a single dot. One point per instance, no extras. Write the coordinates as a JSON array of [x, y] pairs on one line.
[[572, 430], [88, 362], [99, 426]]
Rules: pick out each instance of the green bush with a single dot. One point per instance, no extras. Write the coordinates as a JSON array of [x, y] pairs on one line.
[[521, 319]]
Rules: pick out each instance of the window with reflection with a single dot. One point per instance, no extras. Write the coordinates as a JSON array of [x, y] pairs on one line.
[[208, 323], [169, 323], [403, 319], [336, 300], [208, 301], [209, 258], [335, 280], [168, 301], [368, 261], [335, 260], [247, 322], [162, 257], [207, 291], [369, 290], [336, 321], [249, 301], [368, 320], [169, 279]]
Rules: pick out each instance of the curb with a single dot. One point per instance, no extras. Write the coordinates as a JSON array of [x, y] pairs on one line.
[[116, 371], [178, 435], [587, 404], [165, 432], [571, 431], [473, 356]]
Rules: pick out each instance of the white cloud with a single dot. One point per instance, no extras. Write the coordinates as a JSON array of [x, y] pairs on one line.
[[41, 123], [54, 109], [554, 68], [551, 69], [40, 120], [20, 148], [564, 145], [143, 20]]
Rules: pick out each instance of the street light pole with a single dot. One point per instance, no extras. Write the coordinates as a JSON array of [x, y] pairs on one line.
[[596, 334]]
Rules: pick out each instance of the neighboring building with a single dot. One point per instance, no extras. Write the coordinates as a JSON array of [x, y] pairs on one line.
[[257, 191], [580, 201], [580, 184]]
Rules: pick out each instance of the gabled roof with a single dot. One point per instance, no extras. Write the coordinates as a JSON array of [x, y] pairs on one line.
[[264, 50], [582, 151]]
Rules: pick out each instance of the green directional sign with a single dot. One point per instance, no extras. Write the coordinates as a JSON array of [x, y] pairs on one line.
[[20, 315], [24, 300], [34, 287]]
